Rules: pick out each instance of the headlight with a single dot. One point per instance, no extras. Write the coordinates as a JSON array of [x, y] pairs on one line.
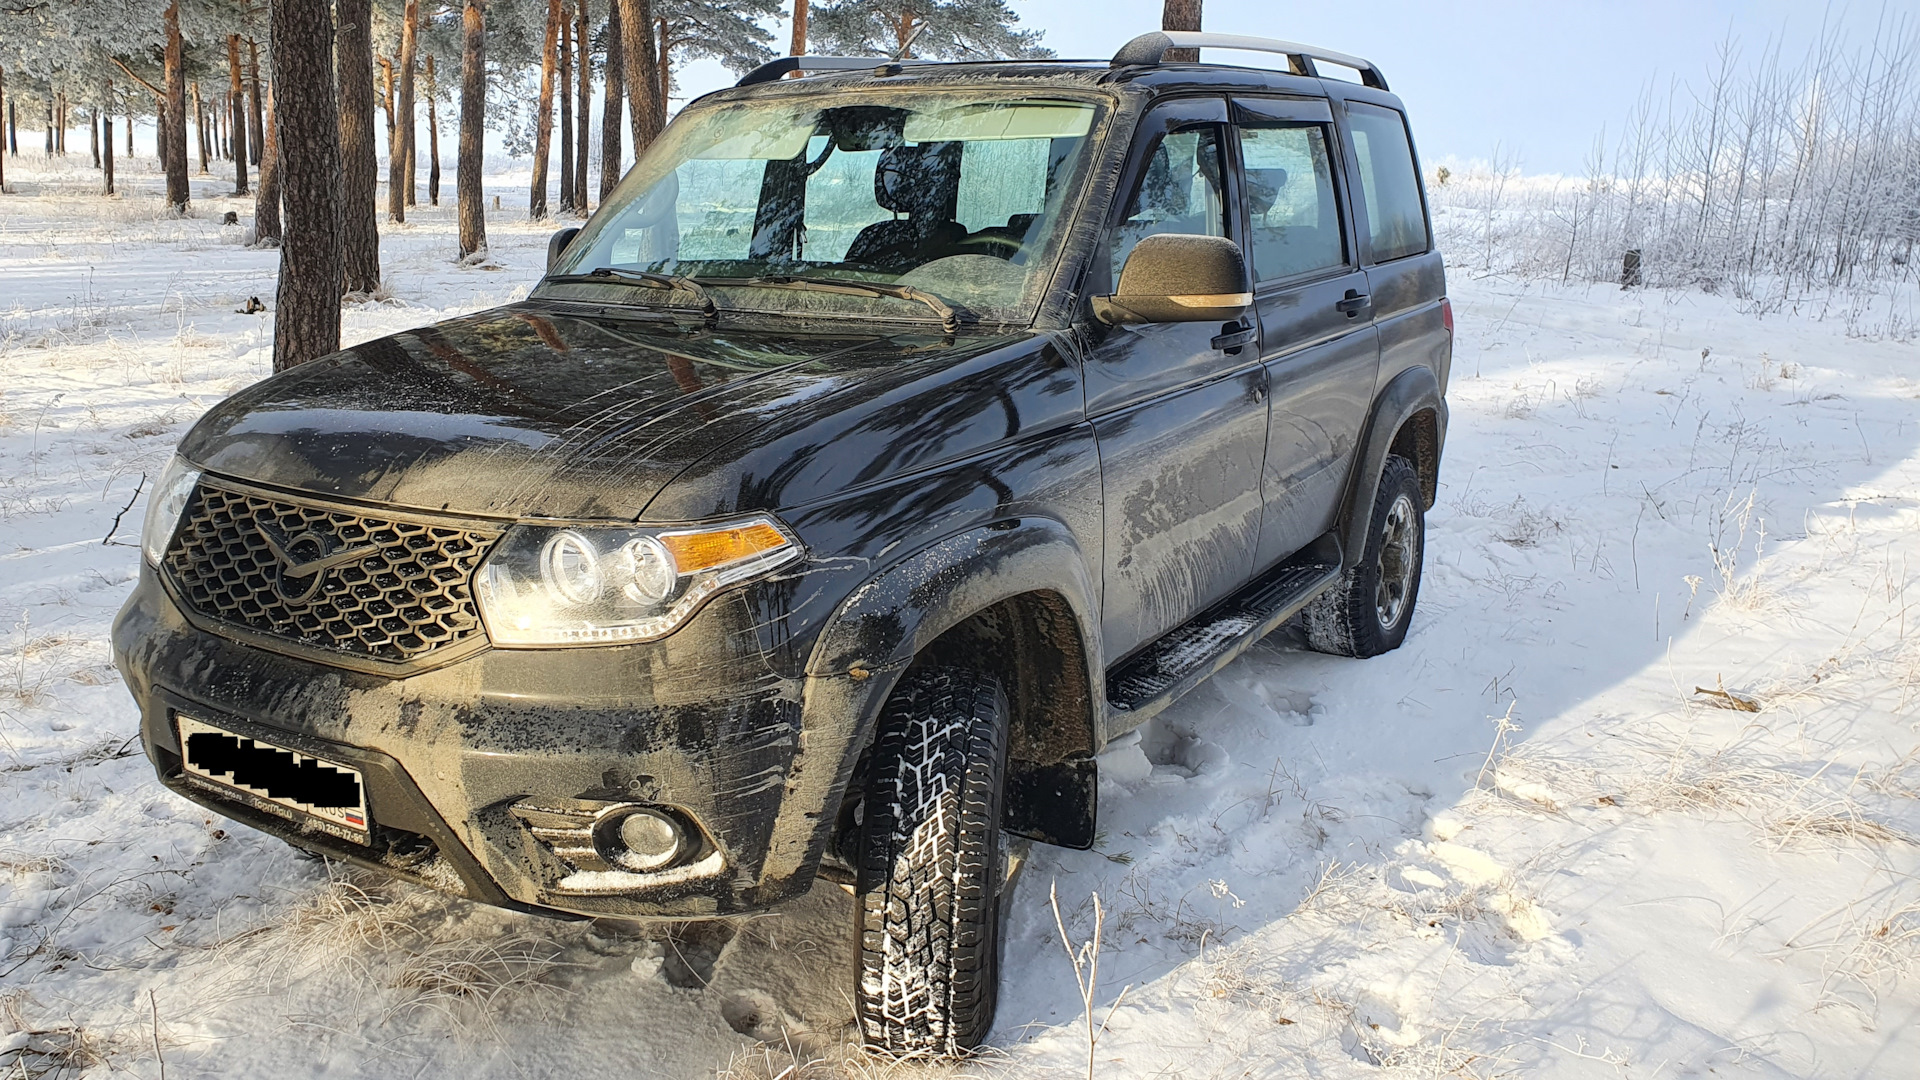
[[545, 586], [164, 507]]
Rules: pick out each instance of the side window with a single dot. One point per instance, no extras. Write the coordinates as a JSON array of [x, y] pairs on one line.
[[1291, 210], [1179, 191], [1396, 222]]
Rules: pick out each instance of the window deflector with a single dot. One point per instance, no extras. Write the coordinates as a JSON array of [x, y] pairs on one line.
[[1164, 119], [1255, 110]]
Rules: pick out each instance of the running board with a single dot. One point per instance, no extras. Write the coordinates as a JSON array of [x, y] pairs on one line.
[[1186, 656]]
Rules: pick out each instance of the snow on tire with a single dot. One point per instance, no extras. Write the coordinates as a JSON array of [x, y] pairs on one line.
[[930, 865]]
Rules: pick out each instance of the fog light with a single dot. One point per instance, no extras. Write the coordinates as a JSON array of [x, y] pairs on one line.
[[641, 839]]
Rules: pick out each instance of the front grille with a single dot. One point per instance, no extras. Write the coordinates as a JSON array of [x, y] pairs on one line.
[[324, 578]]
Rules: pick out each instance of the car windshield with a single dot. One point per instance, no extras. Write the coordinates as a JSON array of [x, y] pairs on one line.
[[957, 197]]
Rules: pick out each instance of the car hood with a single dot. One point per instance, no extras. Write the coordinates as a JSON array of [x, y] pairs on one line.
[[527, 411]]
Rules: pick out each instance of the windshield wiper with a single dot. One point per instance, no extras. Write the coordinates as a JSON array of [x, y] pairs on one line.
[[642, 277], [949, 317]]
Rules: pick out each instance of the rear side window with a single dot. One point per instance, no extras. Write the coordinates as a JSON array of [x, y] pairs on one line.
[[1178, 192], [1291, 210], [1396, 221]]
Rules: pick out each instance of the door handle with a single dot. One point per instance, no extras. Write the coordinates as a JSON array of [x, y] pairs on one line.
[[1233, 336], [1353, 303]]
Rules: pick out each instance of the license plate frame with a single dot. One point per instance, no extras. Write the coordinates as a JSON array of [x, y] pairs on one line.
[[347, 822]]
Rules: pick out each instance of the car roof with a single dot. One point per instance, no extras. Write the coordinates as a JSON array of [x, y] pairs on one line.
[[1142, 62], [1058, 74]]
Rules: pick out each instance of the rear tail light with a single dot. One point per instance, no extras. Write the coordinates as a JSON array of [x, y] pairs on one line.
[[1446, 315]]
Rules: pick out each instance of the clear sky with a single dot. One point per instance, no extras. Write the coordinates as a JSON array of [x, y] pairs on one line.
[[1540, 79]]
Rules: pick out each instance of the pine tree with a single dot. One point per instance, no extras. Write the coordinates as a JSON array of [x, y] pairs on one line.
[[306, 322], [646, 108], [400, 147], [237, 96], [729, 31], [543, 123], [582, 26], [1181, 15], [473, 111], [360, 170], [613, 103], [934, 29]]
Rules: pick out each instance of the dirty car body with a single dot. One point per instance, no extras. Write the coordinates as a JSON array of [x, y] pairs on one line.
[[967, 448]]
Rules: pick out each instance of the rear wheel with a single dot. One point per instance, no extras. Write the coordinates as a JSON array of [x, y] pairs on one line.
[[931, 865], [1368, 611]]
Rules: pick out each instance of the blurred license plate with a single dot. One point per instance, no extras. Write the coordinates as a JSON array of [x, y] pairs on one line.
[[308, 789]]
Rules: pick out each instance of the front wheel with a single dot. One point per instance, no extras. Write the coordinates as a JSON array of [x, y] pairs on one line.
[[1368, 611], [931, 864]]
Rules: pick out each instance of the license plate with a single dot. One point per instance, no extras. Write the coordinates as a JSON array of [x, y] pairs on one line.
[[310, 790]]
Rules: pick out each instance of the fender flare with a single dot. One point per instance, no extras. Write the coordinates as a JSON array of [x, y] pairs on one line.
[[895, 614], [1413, 391], [873, 637]]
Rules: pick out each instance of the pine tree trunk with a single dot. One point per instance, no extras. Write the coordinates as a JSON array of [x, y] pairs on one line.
[[106, 145], [400, 154], [60, 114], [306, 322], [543, 117], [564, 73], [266, 198], [1181, 15], [359, 167], [583, 152], [433, 134], [664, 67], [642, 76], [173, 148], [13, 129], [473, 119], [610, 109], [93, 130], [237, 98], [385, 98], [3, 163], [200, 127], [256, 126], [798, 46]]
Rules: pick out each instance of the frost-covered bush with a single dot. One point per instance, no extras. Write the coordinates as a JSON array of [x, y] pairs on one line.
[[1786, 185]]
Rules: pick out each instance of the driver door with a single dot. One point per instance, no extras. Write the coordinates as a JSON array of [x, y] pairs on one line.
[[1181, 418]]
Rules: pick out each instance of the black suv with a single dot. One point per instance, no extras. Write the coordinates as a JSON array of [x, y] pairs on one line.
[[893, 438]]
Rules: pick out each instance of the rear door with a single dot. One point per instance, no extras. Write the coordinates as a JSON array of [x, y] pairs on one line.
[[1317, 339], [1181, 421], [1404, 273]]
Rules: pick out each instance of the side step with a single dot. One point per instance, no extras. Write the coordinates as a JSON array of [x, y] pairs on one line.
[[1160, 674]]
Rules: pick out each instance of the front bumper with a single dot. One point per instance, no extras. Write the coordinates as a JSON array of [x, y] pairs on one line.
[[704, 721]]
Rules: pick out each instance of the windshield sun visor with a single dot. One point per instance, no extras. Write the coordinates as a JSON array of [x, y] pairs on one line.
[[1001, 120]]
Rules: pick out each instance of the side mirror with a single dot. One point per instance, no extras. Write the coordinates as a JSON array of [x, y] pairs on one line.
[[1171, 277], [557, 245]]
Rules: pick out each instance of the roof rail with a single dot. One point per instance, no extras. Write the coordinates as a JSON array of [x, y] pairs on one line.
[[774, 69], [1150, 48]]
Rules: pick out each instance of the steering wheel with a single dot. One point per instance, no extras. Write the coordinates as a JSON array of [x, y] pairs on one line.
[[1000, 247]]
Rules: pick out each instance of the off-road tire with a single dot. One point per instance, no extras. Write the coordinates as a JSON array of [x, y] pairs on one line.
[[1346, 620], [930, 862]]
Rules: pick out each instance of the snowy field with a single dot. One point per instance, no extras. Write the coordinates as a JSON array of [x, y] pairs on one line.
[[1640, 797]]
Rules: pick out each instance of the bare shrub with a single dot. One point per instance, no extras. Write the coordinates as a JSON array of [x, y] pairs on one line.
[[1788, 185]]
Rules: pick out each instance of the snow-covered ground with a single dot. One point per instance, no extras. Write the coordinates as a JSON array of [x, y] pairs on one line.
[[1640, 796]]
